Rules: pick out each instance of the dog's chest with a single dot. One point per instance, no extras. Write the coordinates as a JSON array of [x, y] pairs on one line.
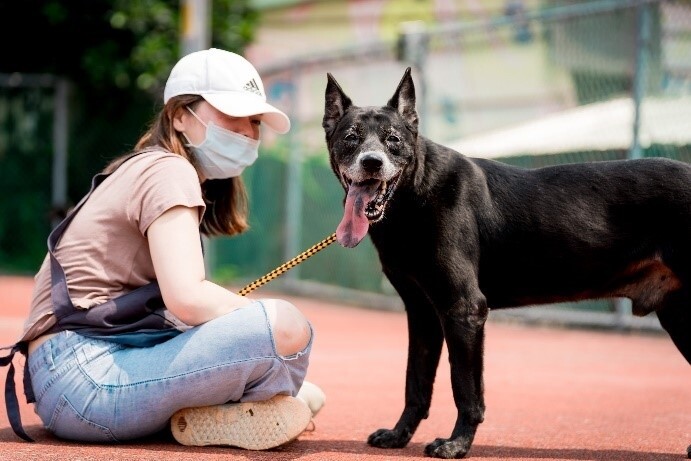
[[407, 248]]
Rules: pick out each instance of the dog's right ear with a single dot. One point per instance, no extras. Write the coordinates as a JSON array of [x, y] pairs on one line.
[[335, 104]]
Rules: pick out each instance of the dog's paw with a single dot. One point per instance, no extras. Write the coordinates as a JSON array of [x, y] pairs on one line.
[[386, 438], [447, 449]]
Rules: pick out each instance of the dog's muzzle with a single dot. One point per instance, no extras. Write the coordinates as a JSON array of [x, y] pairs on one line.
[[370, 183]]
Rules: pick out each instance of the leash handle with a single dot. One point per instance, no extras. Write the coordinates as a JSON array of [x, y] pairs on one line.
[[288, 265]]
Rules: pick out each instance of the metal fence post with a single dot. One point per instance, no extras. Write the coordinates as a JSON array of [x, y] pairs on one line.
[[293, 182], [60, 141], [413, 47], [622, 306], [640, 75], [195, 35]]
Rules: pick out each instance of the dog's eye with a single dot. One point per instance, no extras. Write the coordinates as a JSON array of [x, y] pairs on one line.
[[393, 139], [351, 137]]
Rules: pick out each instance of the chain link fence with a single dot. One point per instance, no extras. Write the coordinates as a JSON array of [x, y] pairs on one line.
[[555, 82], [546, 82]]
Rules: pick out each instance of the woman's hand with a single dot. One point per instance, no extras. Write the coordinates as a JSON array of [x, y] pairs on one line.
[[178, 261]]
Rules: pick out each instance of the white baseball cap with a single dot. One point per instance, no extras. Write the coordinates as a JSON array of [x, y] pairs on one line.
[[228, 82]]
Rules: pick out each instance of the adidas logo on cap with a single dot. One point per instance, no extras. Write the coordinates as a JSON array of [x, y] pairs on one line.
[[252, 87]]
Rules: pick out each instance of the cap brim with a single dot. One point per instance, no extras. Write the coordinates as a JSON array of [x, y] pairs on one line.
[[245, 105]]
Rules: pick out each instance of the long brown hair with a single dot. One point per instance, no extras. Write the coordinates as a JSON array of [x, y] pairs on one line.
[[226, 199]]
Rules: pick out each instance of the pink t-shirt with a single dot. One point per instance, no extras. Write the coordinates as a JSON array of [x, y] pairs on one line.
[[105, 251]]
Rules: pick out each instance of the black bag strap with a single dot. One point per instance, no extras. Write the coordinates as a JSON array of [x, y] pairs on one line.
[[57, 274], [58, 291], [11, 401], [141, 310]]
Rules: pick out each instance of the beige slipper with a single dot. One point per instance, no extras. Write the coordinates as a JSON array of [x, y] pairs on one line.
[[250, 425], [313, 396]]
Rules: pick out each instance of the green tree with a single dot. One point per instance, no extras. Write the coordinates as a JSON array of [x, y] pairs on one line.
[[116, 54]]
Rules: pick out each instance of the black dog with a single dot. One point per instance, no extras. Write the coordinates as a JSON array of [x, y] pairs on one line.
[[458, 236]]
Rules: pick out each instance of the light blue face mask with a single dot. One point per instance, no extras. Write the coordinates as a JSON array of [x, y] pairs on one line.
[[223, 153]]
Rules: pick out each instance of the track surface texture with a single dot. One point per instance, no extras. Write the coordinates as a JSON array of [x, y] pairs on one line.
[[551, 394]]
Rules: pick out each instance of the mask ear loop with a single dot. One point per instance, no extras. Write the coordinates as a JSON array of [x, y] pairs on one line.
[[200, 121], [196, 116]]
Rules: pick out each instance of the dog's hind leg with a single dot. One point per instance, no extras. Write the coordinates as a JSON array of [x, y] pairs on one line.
[[675, 318], [425, 341]]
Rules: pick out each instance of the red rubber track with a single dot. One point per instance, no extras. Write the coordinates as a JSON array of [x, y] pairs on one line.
[[551, 394]]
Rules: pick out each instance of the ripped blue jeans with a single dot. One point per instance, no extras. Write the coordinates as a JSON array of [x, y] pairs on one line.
[[96, 391]]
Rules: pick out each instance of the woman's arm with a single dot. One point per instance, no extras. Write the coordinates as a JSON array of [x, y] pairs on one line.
[[177, 256]]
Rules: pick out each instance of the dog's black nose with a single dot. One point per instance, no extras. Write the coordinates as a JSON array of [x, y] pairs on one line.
[[371, 163]]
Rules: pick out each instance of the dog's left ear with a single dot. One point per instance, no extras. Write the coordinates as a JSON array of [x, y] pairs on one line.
[[335, 104], [403, 100]]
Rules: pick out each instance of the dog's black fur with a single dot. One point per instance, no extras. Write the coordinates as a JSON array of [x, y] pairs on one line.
[[458, 236]]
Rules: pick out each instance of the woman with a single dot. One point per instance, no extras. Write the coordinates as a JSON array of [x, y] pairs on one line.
[[107, 360]]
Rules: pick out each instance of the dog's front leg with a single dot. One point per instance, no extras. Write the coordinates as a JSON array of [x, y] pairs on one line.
[[463, 328], [425, 341]]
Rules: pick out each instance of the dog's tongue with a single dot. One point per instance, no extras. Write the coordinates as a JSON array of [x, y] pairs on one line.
[[354, 225]]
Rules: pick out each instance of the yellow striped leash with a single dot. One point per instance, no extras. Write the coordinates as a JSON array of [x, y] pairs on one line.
[[288, 265]]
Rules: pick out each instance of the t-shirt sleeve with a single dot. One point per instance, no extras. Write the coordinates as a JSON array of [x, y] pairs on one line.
[[163, 182]]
